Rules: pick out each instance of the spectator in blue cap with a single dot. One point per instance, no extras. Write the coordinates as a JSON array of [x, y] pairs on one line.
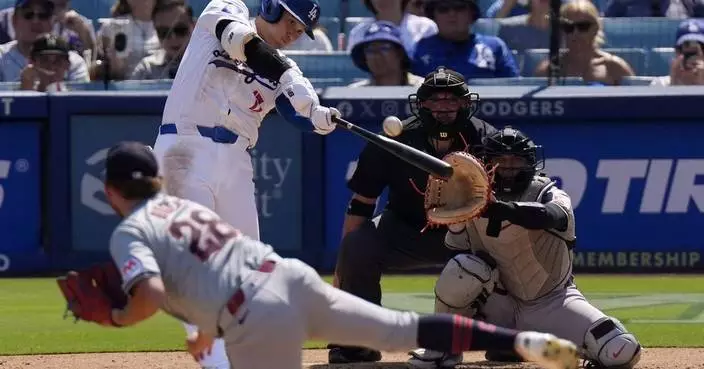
[[412, 27], [687, 68], [382, 55]]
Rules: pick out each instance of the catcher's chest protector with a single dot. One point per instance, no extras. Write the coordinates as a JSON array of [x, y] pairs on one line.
[[531, 263]]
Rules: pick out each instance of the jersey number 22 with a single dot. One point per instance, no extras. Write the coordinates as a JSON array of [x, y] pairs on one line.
[[208, 234]]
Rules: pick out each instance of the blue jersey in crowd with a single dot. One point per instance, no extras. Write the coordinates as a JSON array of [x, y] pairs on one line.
[[481, 56]]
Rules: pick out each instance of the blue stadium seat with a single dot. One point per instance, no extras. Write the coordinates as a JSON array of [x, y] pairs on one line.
[[352, 22], [486, 26], [531, 60], [659, 61], [152, 85], [331, 26], [636, 58], [637, 81], [645, 33], [9, 86], [524, 81], [337, 64]]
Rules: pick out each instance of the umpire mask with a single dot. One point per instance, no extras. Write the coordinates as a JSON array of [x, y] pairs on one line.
[[443, 103], [517, 159]]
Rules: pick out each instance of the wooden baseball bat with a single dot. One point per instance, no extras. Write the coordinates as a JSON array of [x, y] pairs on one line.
[[413, 156]]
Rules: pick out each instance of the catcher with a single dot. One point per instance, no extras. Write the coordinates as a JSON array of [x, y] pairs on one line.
[[180, 257], [443, 122], [516, 269]]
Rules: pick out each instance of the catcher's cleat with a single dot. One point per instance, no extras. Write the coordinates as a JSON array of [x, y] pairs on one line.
[[547, 350], [347, 355], [430, 359]]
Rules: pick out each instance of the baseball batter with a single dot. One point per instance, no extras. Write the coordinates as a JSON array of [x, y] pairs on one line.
[[231, 76], [180, 256], [520, 256]]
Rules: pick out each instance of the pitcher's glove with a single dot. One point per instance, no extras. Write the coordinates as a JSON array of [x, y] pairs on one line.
[[462, 197], [92, 293]]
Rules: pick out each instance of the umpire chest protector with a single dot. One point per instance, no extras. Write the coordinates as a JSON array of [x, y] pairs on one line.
[[531, 263]]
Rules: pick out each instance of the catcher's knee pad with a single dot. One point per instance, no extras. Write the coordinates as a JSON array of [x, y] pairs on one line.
[[464, 284], [609, 345]]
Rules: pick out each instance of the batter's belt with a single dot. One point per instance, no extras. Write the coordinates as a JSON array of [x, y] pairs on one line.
[[218, 134]]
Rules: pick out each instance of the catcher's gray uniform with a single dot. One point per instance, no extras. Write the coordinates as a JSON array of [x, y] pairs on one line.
[[532, 271], [231, 286]]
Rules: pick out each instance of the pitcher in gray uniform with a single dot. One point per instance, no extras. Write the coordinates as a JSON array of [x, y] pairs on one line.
[[179, 256], [517, 271]]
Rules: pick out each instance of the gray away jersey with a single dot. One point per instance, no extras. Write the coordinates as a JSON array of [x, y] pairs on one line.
[[201, 259], [531, 263]]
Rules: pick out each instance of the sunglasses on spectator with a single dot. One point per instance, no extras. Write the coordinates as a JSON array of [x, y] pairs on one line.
[[31, 14], [447, 8], [179, 30], [579, 26], [371, 50]]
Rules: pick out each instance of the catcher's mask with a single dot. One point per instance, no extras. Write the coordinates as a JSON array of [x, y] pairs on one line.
[[443, 103], [518, 159]]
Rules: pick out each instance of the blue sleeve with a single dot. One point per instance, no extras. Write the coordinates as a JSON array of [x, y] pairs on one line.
[[418, 67], [506, 64], [284, 107]]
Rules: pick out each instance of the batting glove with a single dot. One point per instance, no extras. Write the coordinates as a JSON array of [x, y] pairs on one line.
[[322, 119]]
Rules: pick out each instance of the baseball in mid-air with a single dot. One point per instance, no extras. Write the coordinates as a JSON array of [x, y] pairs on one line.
[[393, 126]]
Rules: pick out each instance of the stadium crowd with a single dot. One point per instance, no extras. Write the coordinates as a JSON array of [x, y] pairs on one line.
[[46, 43]]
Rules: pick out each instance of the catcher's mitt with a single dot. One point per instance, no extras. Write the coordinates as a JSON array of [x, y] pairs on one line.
[[462, 197], [92, 293]]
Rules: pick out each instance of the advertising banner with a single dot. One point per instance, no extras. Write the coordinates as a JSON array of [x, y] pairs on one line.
[[637, 190], [277, 173], [20, 195], [637, 186]]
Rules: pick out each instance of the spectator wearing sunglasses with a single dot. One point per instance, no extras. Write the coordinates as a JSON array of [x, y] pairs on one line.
[[413, 28], [31, 19], [173, 21], [583, 57], [381, 54], [457, 48], [687, 68], [75, 28]]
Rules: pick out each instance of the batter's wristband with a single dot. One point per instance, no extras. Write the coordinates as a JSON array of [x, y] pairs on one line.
[[360, 208]]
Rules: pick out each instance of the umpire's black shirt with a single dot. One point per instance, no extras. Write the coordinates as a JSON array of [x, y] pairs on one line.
[[377, 169]]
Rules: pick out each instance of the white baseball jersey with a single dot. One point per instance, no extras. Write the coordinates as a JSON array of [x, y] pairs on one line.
[[211, 89], [201, 259]]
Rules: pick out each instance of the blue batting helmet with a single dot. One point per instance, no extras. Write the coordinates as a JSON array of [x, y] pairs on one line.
[[305, 11]]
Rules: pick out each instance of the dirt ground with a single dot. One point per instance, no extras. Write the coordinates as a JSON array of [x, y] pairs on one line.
[[653, 358]]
